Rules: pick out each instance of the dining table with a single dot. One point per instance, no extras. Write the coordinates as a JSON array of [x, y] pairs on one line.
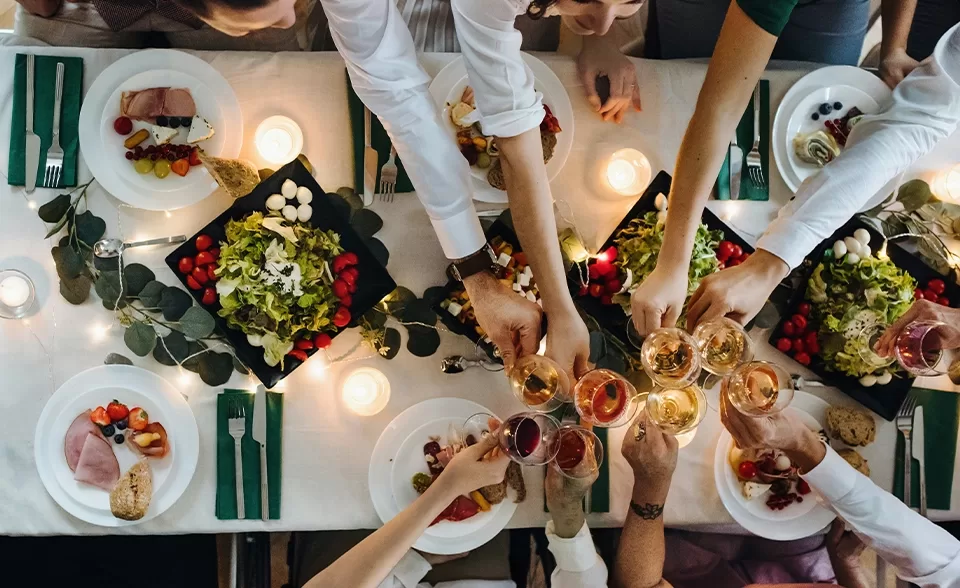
[[326, 448]]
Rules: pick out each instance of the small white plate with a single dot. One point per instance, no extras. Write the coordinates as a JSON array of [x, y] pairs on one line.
[[794, 522], [197, 179], [134, 387], [385, 453], [448, 85]]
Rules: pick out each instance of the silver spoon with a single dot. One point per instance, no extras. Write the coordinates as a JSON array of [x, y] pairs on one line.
[[456, 364], [110, 248]]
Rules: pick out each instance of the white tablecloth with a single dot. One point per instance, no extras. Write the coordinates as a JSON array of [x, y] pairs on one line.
[[326, 449]]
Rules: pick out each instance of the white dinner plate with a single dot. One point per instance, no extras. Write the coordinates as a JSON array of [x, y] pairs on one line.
[[824, 77], [448, 85], [427, 416], [134, 387], [795, 521], [197, 179], [95, 101]]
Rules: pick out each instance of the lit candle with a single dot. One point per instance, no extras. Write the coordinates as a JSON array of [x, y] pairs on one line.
[[628, 172], [366, 391], [14, 291], [279, 140], [946, 185]]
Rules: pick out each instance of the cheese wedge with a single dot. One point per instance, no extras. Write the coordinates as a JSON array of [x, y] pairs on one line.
[[753, 490], [200, 130], [162, 135]]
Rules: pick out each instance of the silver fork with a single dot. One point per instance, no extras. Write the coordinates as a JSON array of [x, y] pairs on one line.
[[54, 170], [905, 425], [388, 177], [754, 165], [237, 427]]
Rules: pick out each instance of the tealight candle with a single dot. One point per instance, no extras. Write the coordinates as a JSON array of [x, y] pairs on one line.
[[946, 185], [366, 391], [16, 294], [279, 140], [628, 172]]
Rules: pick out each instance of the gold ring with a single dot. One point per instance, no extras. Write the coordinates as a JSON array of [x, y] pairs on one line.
[[641, 431]]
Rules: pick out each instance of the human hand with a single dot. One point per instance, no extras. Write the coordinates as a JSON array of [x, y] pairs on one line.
[[564, 492], [598, 58], [652, 454], [895, 66], [659, 299], [842, 545], [945, 337], [737, 292], [568, 343], [511, 322], [474, 467]]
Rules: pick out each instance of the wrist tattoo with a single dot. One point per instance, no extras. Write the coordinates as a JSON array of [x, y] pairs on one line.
[[648, 511]]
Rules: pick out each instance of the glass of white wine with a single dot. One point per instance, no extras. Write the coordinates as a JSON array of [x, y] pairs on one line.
[[677, 410], [540, 383], [759, 388], [671, 358], [723, 344]]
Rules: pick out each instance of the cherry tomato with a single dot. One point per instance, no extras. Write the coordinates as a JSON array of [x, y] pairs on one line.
[[340, 288], [599, 270], [186, 265], [930, 295], [341, 318], [810, 338], [943, 301], [800, 322], [918, 294], [212, 273], [583, 291], [798, 346], [937, 286], [351, 271], [305, 344], [747, 470], [350, 258], [350, 280], [200, 275], [203, 243], [193, 284], [322, 341], [732, 262], [744, 257], [596, 290], [215, 252], [609, 270], [209, 296], [347, 301], [802, 358], [298, 354], [737, 252], [204, 258], [606, 299], [724, 250], [609, 254], [784, 344], [613, 286], [813, 348], [721, 266], [789, 329], [804, 308]]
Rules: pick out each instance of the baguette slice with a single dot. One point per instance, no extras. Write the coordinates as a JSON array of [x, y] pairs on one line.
[[130, 498]]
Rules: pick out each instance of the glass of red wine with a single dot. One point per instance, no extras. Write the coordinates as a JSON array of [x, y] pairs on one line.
[[918, 349], [528, 438], [604, 398], [580, 453]]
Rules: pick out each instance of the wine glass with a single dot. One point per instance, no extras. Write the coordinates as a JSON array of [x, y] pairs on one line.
[[723, 344], [759, 388], [866, 346], [917, 349], [539, 383], [528, 438], [677, 410], [604, 398], [671, 358], [580, 453]]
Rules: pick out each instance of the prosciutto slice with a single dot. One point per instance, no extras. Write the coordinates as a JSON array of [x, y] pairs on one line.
[[147, 105], [98, 465], [76, 436]]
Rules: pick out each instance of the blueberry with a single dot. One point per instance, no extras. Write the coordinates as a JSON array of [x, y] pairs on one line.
[[837, 105], [186, 121], [118, 439], [107, 430], [815, 116], [174, 122], [121, 424], [162, 121], [825, 108]]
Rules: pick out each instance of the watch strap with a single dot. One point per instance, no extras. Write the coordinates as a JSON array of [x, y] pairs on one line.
[[481, 261]]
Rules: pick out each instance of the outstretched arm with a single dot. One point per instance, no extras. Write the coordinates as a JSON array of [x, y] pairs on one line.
[[43, 8]]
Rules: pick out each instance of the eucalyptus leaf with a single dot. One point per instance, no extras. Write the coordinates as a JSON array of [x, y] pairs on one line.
[[375, 319], [140, 338], [379, 251], [90, 228], [598, 346], [390, 345], [151, 293], [117, 359], [106, 264], [914, 194], [57, 227], [172, 349], [345, 192], [933, 250], [137, 276], [197, 323], [216, 368], [239, 367], [174, 302], [422, 341], [396, 301], [68, 262], [193, 363], [366, 223], [108, 289], [77, 290], [340, 207], [418, 311], [435, 295], [55, 210]]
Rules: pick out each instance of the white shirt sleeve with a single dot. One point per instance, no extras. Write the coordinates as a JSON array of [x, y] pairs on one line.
[[578, 564], [924, 553], [383, 67], [509, 104], [924, 111], [408, 572]]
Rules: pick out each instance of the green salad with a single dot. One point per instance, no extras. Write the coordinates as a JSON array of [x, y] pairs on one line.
[[846, 298], [638, 246], [275, 281]]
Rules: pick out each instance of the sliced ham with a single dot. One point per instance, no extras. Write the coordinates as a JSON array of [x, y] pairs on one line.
[[179, 102], [76, 436], [147, 105], [157, 447], [98, 465]]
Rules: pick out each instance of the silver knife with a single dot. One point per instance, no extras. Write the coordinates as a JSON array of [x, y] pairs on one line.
[[260, 435], [918, 454], [32, 141], [370, 159], [736, 168]]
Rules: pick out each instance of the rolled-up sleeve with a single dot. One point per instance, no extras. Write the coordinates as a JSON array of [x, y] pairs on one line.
[[508, 102], [382, 62], [925, 110]]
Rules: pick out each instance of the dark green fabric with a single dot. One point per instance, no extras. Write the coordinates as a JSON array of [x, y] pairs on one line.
[[379, 140], [226, 501], [600, 492], [745, 141], [45, 76], [770, 15], [941, 420]]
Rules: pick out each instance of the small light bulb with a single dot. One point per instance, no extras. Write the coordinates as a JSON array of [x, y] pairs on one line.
[[32, 204], [168, 214]]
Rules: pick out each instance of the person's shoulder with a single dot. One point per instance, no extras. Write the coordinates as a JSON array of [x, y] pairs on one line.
[[770, 15]]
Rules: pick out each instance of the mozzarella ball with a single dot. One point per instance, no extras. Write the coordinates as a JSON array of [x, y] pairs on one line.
[[862, 235], [868, 380], [865, 251], [852, 258], [304, 195], [276, 202], [783, 462], [884, 378], [288, 189], [839, 249], [255, 340], [853, 246], [662, 217], [660, 202], [304, 212], [289, 212]]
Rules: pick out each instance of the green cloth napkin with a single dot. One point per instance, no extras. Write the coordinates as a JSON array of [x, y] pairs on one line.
[[378, 138], [226, 505], [45, 76], [941, 420], [745, 140]]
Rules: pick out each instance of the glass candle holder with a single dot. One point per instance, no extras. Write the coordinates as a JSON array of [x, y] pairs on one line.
[[17, 294], [279, 140], [627, 172], [365, 391]]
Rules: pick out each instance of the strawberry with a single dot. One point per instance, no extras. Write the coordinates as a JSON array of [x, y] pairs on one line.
[[194, 158], [138, 419], [100, 417], [180, 167], [117, 411]]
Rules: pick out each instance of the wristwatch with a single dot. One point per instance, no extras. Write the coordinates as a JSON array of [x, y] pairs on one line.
[[483, 260]]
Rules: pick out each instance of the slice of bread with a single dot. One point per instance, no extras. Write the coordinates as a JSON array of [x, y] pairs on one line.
[[854, 427], [130, 498], [856, 460]]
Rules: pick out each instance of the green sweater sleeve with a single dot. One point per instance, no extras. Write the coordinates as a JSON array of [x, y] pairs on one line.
[[770, 15]]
